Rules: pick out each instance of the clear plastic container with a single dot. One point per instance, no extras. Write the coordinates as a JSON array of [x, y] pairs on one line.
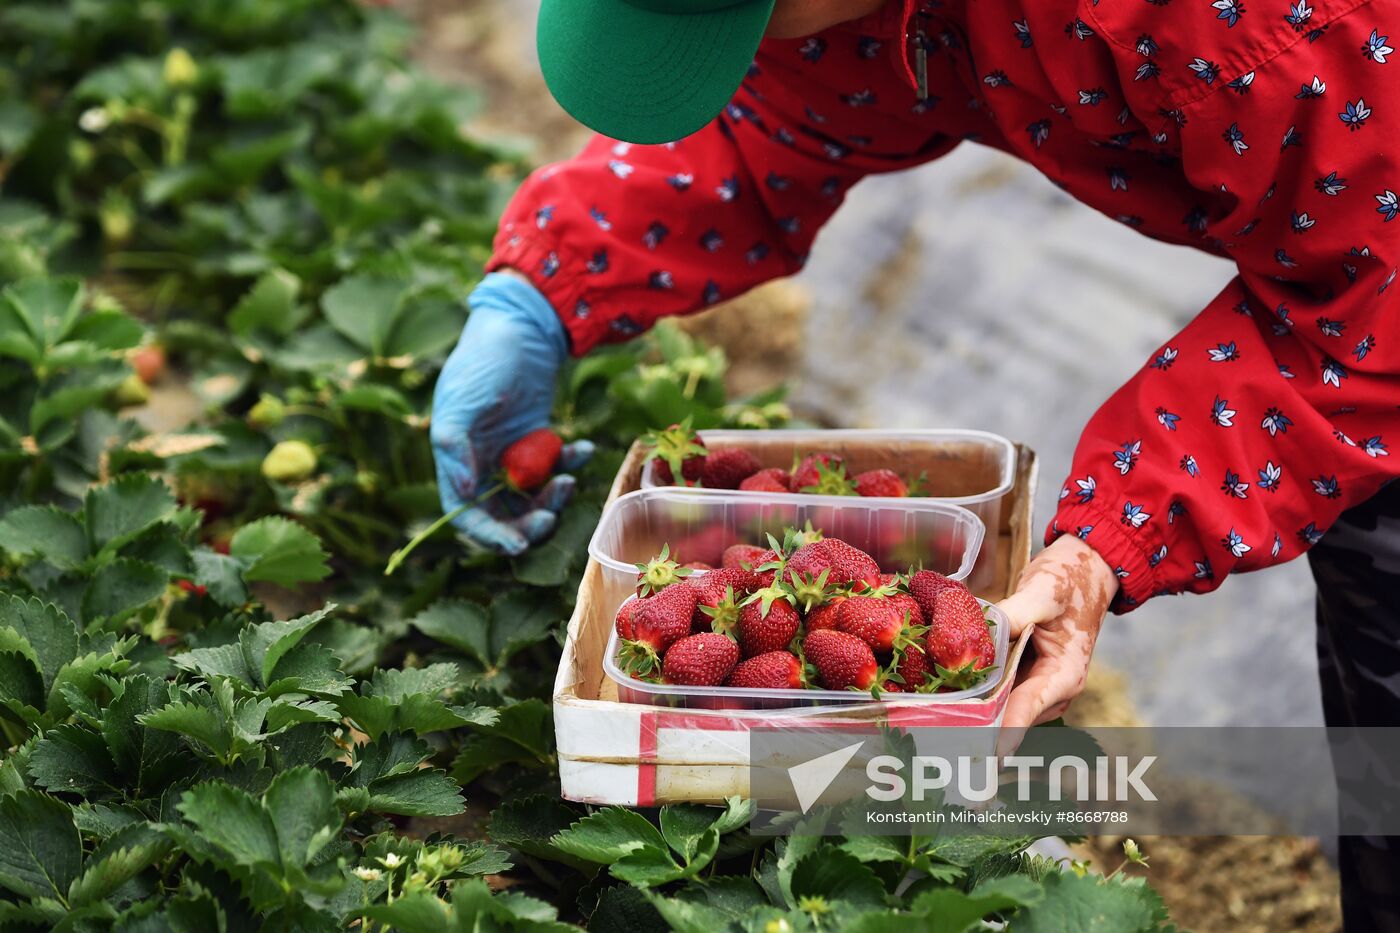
[[972, 469], [630, 690], [697, 525]]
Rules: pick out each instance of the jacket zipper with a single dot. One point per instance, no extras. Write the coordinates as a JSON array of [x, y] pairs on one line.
[[920, 63]]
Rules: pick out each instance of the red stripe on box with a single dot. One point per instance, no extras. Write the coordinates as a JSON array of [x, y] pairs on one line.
[[646, 757]]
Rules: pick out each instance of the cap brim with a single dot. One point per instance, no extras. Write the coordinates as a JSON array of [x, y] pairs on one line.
[[646, 77]]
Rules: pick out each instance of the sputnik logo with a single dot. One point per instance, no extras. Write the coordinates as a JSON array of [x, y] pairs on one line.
[[811, 778]]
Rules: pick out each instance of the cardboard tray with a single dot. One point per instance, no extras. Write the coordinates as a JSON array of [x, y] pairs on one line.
[[632, 755]]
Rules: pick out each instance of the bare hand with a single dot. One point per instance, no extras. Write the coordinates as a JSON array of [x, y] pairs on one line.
[[1064, 592]]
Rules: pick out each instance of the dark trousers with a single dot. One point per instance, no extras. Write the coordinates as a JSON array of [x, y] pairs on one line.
[[1357, 568]]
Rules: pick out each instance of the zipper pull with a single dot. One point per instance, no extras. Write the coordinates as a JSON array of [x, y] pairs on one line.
[[921, 65]]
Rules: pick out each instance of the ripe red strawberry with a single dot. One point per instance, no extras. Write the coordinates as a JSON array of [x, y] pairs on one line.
[[703, 660], [718, 595], [529, 461], [657, 623], [825, 615], [882, 622], [914, 668], [766, 577], [768, 622], [807, 473], [958, 639], [880, 483], [848, 565], [776, 670], [770, 480], [736, 555], [727, 467], [925, 585], [623, 622], [677, 447], [698, 565], [840, 660], [907, 603], [705, 545]]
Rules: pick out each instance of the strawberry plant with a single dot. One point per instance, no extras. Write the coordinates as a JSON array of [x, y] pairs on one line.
[[217, 711]]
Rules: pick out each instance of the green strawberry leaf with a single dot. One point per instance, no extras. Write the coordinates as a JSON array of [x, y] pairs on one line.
[[108, 330], [47, 307], [45, 531], [425, 325], [74, 759], [121, 588], [609, 834], [21, 685], [949, 910], [458, 624], [122, 509], [528, 824], [389, 769], [221, 575], [364, 308], [120, 858], [265, 644], [270, 305], [278, 550], [149, 759], [647, 867], [1088, 904], [41, 632], [42, 853], [521, 733]]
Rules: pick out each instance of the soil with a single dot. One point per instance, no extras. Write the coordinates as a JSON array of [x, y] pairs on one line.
[[1216, 884]]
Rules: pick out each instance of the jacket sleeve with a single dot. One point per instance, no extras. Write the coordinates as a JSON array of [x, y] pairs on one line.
[[1246, 435], [622, 235]]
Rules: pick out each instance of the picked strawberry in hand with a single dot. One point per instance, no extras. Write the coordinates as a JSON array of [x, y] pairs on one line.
[[530, 461]]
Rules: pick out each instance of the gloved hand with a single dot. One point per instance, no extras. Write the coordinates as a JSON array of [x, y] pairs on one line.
[[497, 386]]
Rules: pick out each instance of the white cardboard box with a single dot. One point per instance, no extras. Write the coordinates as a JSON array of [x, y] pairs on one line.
[[634, 755]]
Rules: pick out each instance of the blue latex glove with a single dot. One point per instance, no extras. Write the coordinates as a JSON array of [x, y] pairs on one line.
[[497, 386]]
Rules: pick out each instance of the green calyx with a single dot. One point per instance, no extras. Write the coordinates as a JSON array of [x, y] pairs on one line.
[[659, 572], [919, 486], [910, 636], [831, 481], [724, 616], [640, 660], [902, 647], [808, 592], [767, 596], [675, 445], [961, 678]]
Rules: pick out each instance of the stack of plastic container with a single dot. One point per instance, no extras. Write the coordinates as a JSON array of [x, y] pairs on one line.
[[697, 525]]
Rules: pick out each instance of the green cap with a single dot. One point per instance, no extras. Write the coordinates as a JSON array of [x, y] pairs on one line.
[[648, 71]]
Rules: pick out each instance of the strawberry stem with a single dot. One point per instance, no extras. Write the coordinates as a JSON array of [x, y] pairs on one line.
[[399, 556]]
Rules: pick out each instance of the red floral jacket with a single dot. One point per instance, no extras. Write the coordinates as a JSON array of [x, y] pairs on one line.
[[1262, 130]]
